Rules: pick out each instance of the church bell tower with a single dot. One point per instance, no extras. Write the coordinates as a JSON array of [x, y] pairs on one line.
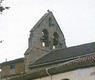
[[45, 36]]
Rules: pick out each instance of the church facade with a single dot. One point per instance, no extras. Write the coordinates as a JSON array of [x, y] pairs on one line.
[[48, 57]]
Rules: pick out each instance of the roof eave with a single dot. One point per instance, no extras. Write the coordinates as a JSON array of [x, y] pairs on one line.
[[55, 70]]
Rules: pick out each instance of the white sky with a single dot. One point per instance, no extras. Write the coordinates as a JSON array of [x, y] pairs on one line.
[[75, 17]]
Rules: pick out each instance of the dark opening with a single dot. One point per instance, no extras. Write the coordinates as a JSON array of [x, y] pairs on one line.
[[55, 39], [12, 66], [44, 38]]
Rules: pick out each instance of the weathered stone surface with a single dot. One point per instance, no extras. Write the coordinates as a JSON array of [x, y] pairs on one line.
[[36, 50]]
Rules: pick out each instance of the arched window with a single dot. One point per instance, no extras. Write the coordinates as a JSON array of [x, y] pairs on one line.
[[55, 39], [44, 38]]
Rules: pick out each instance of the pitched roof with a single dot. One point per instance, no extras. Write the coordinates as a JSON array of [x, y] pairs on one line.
[[65, 54], [13, 61], [85, 58]]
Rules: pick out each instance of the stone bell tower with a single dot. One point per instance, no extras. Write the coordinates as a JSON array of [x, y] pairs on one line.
[[45, 36]]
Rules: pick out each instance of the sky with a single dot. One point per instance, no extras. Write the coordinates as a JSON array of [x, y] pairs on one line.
[[76, 19]]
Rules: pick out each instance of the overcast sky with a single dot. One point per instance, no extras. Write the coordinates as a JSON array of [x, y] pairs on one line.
[[75, 17]]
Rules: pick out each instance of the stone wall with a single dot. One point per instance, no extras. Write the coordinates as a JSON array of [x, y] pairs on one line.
[[6, 71], [79, 74], [36, 50]]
